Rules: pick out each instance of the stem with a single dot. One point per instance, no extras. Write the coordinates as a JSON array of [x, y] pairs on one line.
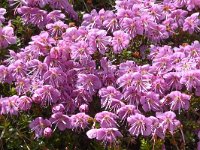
[[183, 137], [1, 143], [175, 143], [154, 141], [85, 5]]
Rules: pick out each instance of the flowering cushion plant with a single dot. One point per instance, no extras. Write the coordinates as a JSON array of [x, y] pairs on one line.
[[130, 73]]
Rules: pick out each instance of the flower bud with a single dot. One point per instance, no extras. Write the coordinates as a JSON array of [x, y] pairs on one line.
[[83, 108], [47, 132]]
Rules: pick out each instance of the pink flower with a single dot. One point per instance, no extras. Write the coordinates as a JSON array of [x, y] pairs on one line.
[[90, 82], [47, 132], [61, 121], [7, 36], [99, 40], [126, 111], [106, 119], [80, 121], [132, 26], [39, 125], [168, 121], [150, 101], [9, 105], [2, 13], [178, 100], [120, 41], [139, 125], [47, 95], [24, 103], [192, 23], [33, 16], [108, 95], [106, 135], [81, 49], [54, 16]]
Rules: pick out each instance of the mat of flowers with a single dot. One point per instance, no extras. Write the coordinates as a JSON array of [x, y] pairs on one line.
[[123, 72]]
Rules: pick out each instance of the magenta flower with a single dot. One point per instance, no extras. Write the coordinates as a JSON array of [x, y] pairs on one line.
[[168, 121], [186, 65], [18, 69], [126, 111], [99, 40], [114, 105], [47, 95], [38, 125], [171, 26], [120, 41], [141, 82], [24, 103], [92, 20], [178, 100], [179, 16], [157, 32], [107, 119], [111, 22], [106, 135], [84, 108], [5, 74], [193, 50], [55, 76], [125, 80], [156, 128], [150, 101], [64, 4], [108, 95], [124, 13], [173, 80], [2, 13], [139, 125], [191, 79], [7, 36], [163, 64], [132, 26], [90, 82], [43, 42], [71, 35], [69, 69], [80, 50], [80, 121], [127, 67], [81, 96], [54, 16], [159, 85], [37, 68], [56, 29], [9, 105], [192, 23], [132, 96], [33, 16], [47, 132], [40, 3], [192, 4], [58, 108], [22, 85], [17, 3], [156, 11], [108, 72], [61, 121]]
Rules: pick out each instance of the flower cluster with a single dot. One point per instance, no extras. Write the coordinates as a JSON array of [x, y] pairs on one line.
[[66, 68], [6, 32], [33, 11]]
